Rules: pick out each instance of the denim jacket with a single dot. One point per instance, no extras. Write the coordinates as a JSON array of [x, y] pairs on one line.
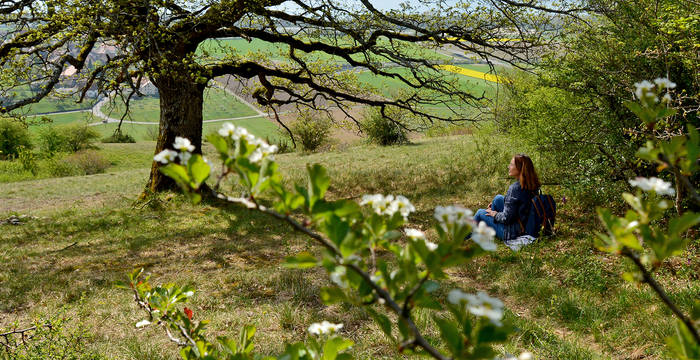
[[517, 206]]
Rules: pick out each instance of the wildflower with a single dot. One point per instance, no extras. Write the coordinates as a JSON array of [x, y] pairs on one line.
[[324, 327], [654, 184], [664, 83], [227, 130], [483, 235], [643, 89], [165, 156], [453, 215], [183, 144]]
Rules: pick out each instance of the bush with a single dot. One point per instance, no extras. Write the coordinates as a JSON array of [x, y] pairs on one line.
[[381, 130], [119, 137], [85, 162], [67, 138], [311, 130], [13, 137]]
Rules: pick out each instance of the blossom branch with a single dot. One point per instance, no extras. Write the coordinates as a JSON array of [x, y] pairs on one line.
[[418, 340]]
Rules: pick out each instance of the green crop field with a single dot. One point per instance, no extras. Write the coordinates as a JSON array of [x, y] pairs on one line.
[[260, 126], [217, 105], [52, 103]]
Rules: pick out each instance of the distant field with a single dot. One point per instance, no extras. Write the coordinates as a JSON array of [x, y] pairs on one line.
[[239, 47], [217, 105], [259, 126], [391, 87], [60, 119], [51, 103]]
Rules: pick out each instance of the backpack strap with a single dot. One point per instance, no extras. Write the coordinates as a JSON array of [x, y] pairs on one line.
[[522, 227]]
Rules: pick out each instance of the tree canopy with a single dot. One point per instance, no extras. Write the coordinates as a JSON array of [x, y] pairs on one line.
[[159, 41]]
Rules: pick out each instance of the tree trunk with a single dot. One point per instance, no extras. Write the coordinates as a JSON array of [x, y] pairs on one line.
[[181, 101]]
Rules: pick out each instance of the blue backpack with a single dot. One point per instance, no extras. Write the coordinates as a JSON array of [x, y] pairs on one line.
[[543, 212]]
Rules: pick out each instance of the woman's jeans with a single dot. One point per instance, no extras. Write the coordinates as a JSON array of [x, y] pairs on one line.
[[496, 205]]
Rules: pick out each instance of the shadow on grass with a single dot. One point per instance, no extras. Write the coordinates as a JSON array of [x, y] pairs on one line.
[[73, 253]]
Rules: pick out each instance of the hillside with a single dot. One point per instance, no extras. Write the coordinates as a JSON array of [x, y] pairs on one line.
[[567, 299]]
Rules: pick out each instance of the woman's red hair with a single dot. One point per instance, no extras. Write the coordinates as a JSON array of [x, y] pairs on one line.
[[528, 175]]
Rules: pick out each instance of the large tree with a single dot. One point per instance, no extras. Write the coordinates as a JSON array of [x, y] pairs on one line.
[[159, 40]]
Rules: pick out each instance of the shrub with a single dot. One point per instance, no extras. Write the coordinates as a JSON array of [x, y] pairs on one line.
[[283, 146], [382, 130], [27, 158], [80, 137], [151, 133], [311, 130], [119, 137], [85, 162], [13, 137], [67, 138]]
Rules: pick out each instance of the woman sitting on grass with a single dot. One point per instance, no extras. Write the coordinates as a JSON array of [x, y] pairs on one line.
[[508, 215]]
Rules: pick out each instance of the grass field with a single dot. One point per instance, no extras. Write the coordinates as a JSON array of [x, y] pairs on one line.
[[565, 298], [51, 103], [217, 105]]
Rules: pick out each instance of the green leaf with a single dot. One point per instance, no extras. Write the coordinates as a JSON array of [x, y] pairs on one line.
[[682, 344], [219, 143], [686, 221], [336, 229], [383, 322], [318, 183], [303, 260], [450, 334], [199, 169], [177, 173], [333, 346], [332, 295]]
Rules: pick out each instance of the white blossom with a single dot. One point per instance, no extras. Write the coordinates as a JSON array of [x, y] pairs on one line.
[[185, 157], [142, 323], [431, 245], [666, 98], [453, 215], [256, 156], [338, 276], [483, 235], [211, 164], [227, 130], [479, 304], [165, 156], [664, 83], [402, 205], [239, 132], [324, 327], [183, 144], [643, 89], [415, 234], [526, 356], [654, 184], [379, 203], [455, 296]]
